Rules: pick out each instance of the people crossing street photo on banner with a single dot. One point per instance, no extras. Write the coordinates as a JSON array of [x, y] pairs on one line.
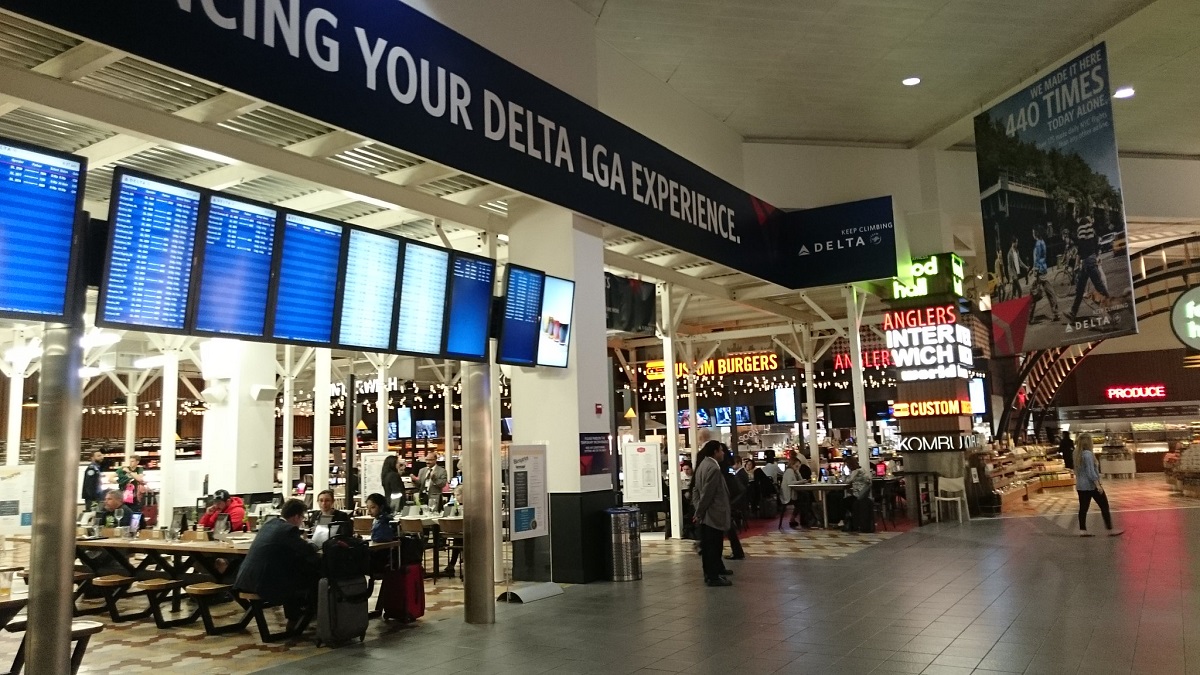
[[1053, 214]]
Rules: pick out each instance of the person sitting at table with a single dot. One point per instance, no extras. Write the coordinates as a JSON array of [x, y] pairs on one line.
[[115, 513], [859, 489], [382, 529], [281, 567], [325, 513], [222, 502], [791, 476]]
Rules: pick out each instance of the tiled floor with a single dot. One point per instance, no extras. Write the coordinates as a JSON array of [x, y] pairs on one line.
[[1145, 492]]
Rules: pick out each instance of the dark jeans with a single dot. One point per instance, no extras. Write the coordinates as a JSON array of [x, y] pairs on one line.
[[735, 544], [1090, 271], [1085, 500], [711, 541]]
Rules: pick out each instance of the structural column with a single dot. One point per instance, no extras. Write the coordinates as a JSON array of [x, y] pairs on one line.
[[288, 432], [321, 392], [671, 389], [131, 414], [478, 524], [167, 498], [56, 463], [810, 402], [239, 426], [20, 356], [854, 306]]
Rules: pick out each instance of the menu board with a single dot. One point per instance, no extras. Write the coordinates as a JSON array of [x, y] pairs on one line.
[[558, 298], [39, 200], [153, 234], [470, 307], [522, 310], [235, 278], [422, 300], [369, 294], [306, 284]]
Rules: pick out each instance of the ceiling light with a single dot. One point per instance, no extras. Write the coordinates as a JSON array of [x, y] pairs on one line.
[[98, 338], [90, 371], [149, 362], [1124, 92], [910, 81], [206, 154]]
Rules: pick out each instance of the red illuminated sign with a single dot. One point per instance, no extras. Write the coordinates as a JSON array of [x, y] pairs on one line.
[[871, 358], [1137, 393], [920, 318]]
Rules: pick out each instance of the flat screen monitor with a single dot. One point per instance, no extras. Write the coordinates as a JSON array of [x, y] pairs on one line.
[[978, 396], [404, 426], [471, 282], [369, 291], [522, 313], [685, 418], [235, 275], [152, 239], [723, 416], [393, 431], [506, 426], [422, 320], [558, 298], [40, 193], [785, 405], [306, 279], [427, 429]]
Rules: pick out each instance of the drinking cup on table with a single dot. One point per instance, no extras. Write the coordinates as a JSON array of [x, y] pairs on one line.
[[6, 581]]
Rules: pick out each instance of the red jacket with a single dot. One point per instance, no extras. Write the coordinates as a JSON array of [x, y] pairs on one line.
[[236, 511]]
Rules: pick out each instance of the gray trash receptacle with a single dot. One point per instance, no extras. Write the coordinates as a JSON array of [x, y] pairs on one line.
[[625, 563]]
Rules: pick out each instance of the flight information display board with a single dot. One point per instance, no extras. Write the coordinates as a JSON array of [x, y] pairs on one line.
[[471, 280], [39, 201], [235, 277], [153, 234], [369, 295], [522, 311], [306, 280], [558, 299], [422, 300]]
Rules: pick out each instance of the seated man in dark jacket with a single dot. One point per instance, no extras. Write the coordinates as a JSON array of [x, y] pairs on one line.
[[281, 566], [114, 513]]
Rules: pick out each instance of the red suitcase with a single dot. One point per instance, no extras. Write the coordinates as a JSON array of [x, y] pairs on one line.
[[403, 593]]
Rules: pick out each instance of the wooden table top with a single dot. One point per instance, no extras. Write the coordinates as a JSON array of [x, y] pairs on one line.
[[203, 547], [815, 487]]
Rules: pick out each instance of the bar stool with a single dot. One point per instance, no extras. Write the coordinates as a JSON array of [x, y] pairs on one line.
[[81, 635], [205, 595]]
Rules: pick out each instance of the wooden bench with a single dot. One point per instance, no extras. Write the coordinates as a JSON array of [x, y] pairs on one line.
[[159, 591], [81, 634], [115, 587], [205, 595], [82, 581], [255, 607]]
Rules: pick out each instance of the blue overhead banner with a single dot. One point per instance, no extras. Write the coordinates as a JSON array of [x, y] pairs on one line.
[[843, 243], [1053, 213], [388, 72]]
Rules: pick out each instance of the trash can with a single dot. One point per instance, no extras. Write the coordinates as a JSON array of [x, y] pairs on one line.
[[625, 561]]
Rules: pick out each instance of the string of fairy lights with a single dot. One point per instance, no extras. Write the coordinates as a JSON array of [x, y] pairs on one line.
[[723, 386]]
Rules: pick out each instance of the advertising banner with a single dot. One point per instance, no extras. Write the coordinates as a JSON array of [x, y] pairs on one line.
[[530, 503], [642, 466], [594, 454], [843, 243], [630, 304], [1053, 214]]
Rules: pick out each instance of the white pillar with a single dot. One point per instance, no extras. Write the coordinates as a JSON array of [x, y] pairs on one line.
[[288, 440], [672, 404], [321, 391], [448, 421], [854, 326], [810, 404], [167, 498], [381, 406], [239, 431], [16, 394], [693, 417], [499, 573], [131, 414]]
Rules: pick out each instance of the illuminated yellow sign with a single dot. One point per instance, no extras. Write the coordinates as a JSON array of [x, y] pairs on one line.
[[725, 365], [931, 408]]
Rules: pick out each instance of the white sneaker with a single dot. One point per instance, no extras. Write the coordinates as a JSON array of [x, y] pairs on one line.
[[1085, 533]]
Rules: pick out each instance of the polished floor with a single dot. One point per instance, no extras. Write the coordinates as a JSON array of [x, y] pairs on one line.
[[994, 596]]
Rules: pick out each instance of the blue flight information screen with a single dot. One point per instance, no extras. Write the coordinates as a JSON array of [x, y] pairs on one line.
[[235, 278], [522, 314], [470, 307], [150, 263], [307, 282], [369, 296], [38, 198], [422, 300]]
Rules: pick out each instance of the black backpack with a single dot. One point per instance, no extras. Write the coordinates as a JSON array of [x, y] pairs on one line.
[[346, 557]]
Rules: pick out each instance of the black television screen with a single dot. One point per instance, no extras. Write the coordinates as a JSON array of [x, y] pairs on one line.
[[369, 290], [306, 279], [40, 193], [471, 281], [521, 317], [420, 326], [558, 299], [235, 272], [152, 239]]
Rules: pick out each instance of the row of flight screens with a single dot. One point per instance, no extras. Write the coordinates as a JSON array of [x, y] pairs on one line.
[[184, 260]]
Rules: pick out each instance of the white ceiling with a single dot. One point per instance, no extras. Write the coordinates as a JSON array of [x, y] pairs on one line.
[[830, 70]]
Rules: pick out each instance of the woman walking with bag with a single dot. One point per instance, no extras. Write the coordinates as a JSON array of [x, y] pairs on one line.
[[1087, 484]]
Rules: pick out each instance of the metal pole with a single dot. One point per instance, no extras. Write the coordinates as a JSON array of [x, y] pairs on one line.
[[672, 404], [448, 420], [496, 406], [56, 464], [479, 588], [854, 324], [167, 499], [381, 407], [321, 392], [693, 419], [810, 407], [131, 412], [349, 457], [288, 440]]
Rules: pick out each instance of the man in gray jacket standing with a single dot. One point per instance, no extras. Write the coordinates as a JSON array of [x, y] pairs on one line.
[[712, 513]]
